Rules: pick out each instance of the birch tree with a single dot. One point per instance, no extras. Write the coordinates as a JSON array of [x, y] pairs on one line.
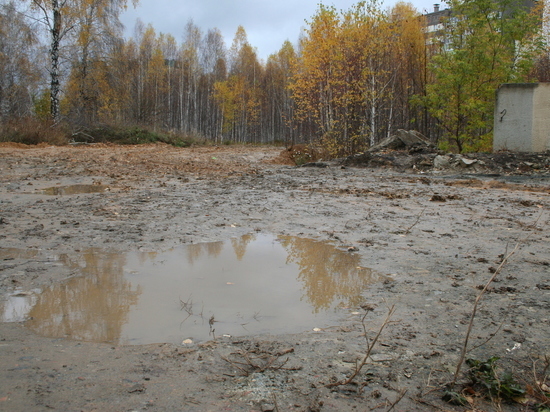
[[240, 95], [213, 60], [61, 18], [349, 72], [97, 30], [279, 113], [190, 75]]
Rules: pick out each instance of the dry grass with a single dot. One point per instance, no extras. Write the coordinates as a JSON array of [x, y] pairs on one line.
[[31, 131]]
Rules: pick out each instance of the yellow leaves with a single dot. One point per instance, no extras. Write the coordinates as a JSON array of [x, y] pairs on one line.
[[226, 94], [240, 96], [329, 79], [239, 101], [353, 63]]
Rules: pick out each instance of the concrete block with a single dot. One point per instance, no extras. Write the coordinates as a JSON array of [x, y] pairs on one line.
[[522, 117]]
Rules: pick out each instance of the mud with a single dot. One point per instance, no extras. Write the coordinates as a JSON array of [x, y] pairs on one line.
[[437, 234]]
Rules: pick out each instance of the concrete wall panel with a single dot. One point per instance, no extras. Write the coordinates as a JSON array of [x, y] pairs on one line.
[[522, 117]]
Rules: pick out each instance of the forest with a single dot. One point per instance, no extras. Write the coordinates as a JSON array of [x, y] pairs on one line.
[[354, 76]]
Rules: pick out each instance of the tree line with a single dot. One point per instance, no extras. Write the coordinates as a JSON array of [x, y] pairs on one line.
[[352, 79]]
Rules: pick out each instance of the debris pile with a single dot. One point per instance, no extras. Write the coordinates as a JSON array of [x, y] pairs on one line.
[[410, 140], [411, 152]]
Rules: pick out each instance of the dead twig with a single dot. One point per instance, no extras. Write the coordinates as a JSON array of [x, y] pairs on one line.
[[474, 311], [491, 336], [275, 402], [402, 393], [187, 305], [416, 221], [505, 259], [541, 387], [370, 346]]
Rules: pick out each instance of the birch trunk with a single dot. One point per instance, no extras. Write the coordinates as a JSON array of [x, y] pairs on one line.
[[54, 58]]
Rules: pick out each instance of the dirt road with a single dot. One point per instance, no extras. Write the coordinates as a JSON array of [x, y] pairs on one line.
[[435, 237]]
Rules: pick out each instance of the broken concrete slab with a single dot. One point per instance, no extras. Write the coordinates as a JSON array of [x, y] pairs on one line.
[[402, 140]]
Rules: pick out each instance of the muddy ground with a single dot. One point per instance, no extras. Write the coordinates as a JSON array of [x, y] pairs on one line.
[[438, 234]]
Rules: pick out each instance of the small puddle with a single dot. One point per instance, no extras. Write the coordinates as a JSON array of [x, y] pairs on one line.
[[254, 284], [74, 190]]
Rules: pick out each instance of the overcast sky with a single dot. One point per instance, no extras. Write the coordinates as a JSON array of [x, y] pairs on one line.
[[268, 23]]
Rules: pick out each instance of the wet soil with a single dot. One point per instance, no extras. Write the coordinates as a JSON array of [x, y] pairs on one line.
[[437, 234]]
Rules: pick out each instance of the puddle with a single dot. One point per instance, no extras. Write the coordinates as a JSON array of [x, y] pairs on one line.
[[74, 189], [255, 284]]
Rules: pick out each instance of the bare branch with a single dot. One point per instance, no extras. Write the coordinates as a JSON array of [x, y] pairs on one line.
[[478, 299], [367, 354]]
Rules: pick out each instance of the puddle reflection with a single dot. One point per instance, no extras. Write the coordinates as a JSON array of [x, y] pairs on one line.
[[74, 190], [17, 306], [93, 307], [254, 284], [328, 274]]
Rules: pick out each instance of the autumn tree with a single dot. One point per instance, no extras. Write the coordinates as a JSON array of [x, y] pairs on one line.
[[114, 83], [485, 43], [149, 78], [61, 19], [315, 76], [214, 65], [353, 66], [409, 60], [240, 95], [97, 30], [279, 105], [19, 68]]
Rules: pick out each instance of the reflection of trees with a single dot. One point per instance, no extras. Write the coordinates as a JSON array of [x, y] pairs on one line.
[[73, 190], [14, 253], [91, 307], [327, 273], [196, 250], [143, 257], [240, 244]]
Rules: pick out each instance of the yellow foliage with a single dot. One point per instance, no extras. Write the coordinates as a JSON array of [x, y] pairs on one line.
[[351, 67]]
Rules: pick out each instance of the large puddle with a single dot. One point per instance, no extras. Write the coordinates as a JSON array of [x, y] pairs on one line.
[[250, 285]]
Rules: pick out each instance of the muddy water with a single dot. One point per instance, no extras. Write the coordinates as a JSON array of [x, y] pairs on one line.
[[255, 284], [74, 190]]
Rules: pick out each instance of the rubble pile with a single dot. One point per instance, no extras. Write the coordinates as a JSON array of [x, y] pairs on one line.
[[411, 152]]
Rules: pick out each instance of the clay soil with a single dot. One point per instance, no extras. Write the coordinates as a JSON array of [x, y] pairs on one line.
[[439, 235]]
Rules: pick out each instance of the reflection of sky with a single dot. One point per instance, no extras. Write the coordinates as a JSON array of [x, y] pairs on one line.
[[251, 285], [233, 291], [17, 307]]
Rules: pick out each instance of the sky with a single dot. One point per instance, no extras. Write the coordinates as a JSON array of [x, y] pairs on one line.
[[268, 24]]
